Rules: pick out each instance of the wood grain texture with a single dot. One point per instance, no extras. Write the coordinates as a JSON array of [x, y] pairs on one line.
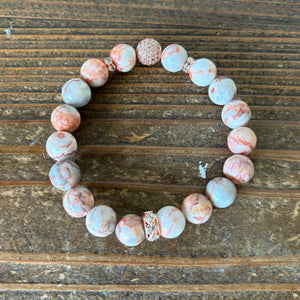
[[141, 140]]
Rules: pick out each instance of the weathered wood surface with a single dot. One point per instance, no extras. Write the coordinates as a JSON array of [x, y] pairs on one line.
[[140, 144]]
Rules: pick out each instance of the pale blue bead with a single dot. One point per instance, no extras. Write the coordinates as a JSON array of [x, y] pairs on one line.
[[222, 90], [173, 58], [221, 191], [76, 92], [172, 221], [101, 221], [202, 72]]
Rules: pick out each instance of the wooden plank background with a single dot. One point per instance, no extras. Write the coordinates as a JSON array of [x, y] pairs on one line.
[[140, 143]]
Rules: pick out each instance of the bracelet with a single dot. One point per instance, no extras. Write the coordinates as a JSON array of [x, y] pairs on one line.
[[169, 221]]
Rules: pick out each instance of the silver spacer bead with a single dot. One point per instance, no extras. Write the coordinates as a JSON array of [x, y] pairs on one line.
[[151, 226], [188, 64], [110, 65]]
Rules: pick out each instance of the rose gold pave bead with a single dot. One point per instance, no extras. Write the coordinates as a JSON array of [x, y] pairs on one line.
[[148, 52], [110, 65], [151, 226], [188, 64]]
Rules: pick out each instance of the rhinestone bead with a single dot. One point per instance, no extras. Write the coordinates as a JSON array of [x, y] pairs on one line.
[[94, 72], [196, 208], [148, 52], [241, 140], [238, 168], [151, 226], [76, 92], [202, 72], [101, 221], [123, 57], [222, 90], [188, 64], [61, 145], [64, 175], [221, 191], [173, 58], [130, 231], [65, 118], [171, 221], [109, 64], [78, 201], [236, 113]]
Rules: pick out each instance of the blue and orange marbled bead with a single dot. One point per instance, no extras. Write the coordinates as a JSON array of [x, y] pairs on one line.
[[61, 145], [221, 191], [197, 208], [171, 221], [101, 221], [78, 201], [76, 92], [64, 175], [130, 230]]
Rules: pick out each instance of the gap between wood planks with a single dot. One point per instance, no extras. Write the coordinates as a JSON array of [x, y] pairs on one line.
[[137, 70], [292, 155], [34, 93], [184, 288], [155, 121], [93, 106], [172, 32], [188, 189], [134, 260]]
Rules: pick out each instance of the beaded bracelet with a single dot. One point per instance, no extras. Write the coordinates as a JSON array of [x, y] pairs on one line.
[[169, 221]]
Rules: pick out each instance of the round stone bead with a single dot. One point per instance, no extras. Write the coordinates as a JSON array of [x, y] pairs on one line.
[[123, 57], [202, 72], [61, 145], [65, 118], [222, 90], [101, 221], [172, 222], [64, 175], [78, 201], [130, 231], [148, 52], [241, 140], [238, 168], [236, 113], [94, 72], [221, 191], [173, 58], [196, 208], [76, 92]]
